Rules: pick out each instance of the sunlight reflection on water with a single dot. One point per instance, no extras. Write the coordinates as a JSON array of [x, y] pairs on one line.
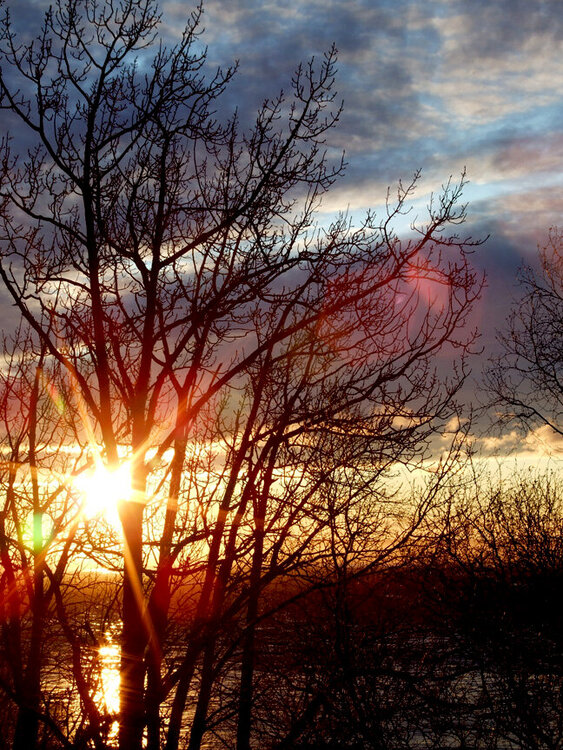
[[107, 696]]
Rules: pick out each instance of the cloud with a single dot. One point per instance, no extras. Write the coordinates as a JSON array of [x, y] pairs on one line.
[[431, 85], [497, 30], [437, 85], [540, 442], [524, 156], [527, 216]]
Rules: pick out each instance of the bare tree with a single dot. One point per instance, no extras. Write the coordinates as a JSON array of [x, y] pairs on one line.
[[525, 380], [39, 521], [171, 266], [497, 591]]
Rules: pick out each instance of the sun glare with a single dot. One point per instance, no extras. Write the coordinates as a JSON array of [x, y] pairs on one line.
[[102, 489]]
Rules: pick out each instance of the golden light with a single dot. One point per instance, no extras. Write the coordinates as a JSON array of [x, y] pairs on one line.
[[110, 655], [107, 695], [102, 489]]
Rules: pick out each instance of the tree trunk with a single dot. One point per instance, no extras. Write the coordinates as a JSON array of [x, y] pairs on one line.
[[211, 597], [249, 647], [132, 671], [27, 725], [207, 676], [184, 680], [160, 602]]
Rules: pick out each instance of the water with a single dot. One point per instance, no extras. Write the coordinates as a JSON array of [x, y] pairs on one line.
[[107, 695], [100, 671]]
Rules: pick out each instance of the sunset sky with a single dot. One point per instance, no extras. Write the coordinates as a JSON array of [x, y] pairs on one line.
[[436, 85], [271, 474]]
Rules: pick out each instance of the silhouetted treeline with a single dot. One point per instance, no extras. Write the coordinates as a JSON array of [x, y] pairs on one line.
[[456, 643], [459, 646]]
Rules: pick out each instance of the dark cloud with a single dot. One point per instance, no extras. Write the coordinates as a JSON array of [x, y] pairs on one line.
[[436, 85], [26, 15], [505, 27]]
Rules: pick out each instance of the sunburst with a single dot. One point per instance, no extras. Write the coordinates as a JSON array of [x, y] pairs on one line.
[[102, 489]]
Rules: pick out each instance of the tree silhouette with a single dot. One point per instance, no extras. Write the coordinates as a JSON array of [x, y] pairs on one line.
[[495, 589], [39, 521], [525, 381], [241, 356]]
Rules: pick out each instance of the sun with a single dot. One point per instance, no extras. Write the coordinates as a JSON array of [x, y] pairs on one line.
[[102, 489]]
